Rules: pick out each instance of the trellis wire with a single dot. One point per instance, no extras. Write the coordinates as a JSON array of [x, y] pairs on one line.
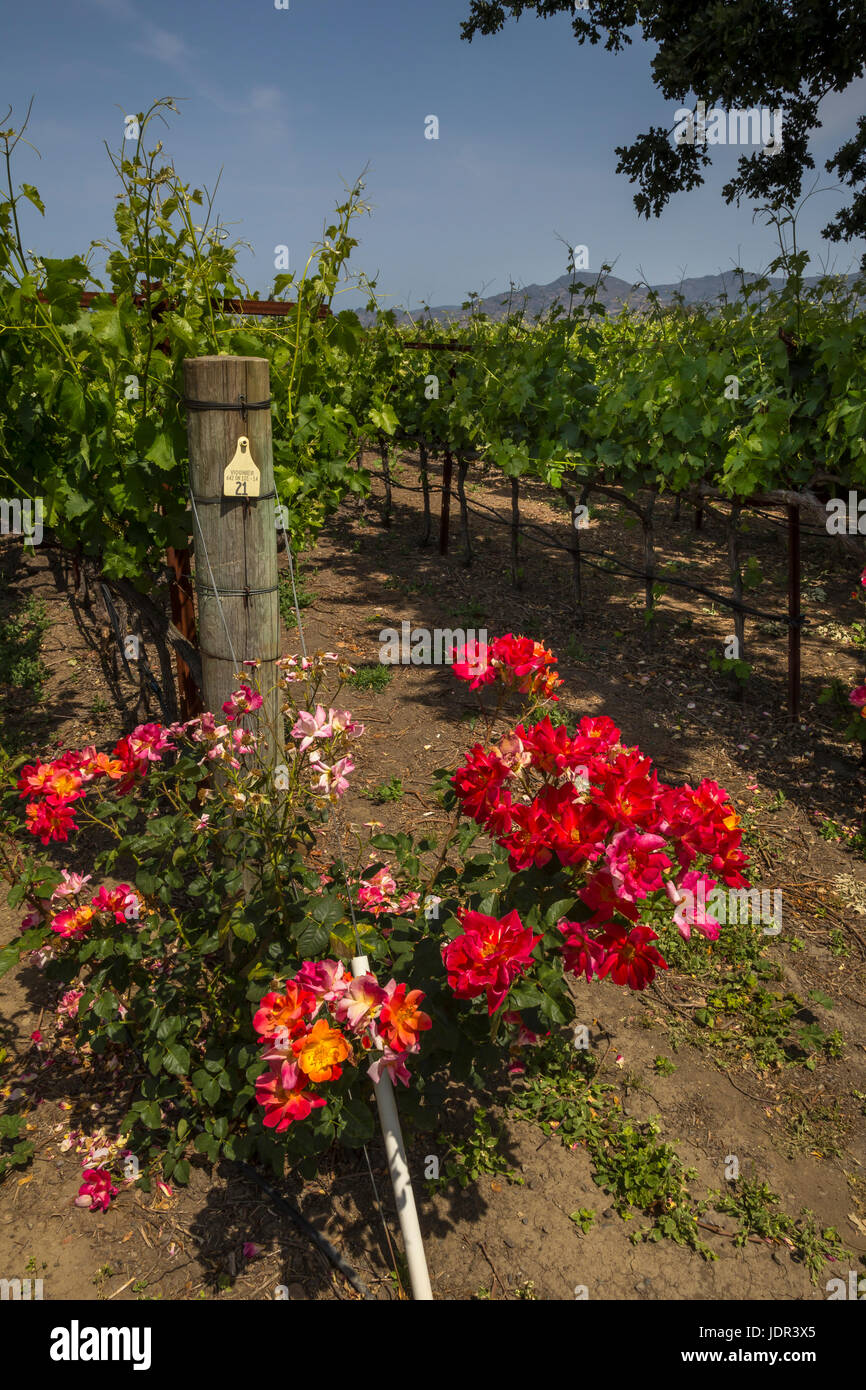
[[212, 580], [142, 658], [614, 566]]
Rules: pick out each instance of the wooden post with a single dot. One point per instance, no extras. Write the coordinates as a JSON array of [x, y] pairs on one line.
[[425, 488], [794, 612], [235, 538], [447, 471], [462, 466]]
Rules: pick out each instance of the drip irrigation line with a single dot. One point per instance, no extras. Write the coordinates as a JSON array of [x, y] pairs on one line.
[[330, 1251], [782, 525]]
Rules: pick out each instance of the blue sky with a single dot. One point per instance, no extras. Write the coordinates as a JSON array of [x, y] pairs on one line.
[[289, 103]]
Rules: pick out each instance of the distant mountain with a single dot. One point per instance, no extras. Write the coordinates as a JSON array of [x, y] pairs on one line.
[[615, 293]]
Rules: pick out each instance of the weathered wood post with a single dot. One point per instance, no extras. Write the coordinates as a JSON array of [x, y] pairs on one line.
[[235, 537], [462, 466], [445, 513]]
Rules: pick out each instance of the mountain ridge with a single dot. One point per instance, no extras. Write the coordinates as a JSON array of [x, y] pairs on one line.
[[614, 293]]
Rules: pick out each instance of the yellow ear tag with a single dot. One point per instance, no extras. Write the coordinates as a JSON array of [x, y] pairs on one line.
[[242, 477]]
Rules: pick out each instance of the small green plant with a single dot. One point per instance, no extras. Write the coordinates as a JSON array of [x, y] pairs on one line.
[[818, 1129], [641, 1174], [286, 597], [526, 1290], [753, 1024], [583, 1218], [753, 574], [563, 716], [400, 1275], [371, 678], [838, 944], [847, 718], [21, 637], [98, 707], [470, 613], [663, 1066], [386, 791], [752, 1203], [469, 1158], [730, 666], [14, 1152], [104, 1272]]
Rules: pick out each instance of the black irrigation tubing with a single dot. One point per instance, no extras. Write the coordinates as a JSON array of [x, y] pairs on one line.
[[328, 1250], [612, 566], [783, 525]]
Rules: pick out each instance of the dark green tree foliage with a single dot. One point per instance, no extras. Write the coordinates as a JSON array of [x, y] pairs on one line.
[[786, 54]]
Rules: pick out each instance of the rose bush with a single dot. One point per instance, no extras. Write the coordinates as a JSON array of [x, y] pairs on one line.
[[215, 976]]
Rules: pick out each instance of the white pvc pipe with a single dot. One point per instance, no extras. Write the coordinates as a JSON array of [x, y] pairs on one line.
[[401, 1182]]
